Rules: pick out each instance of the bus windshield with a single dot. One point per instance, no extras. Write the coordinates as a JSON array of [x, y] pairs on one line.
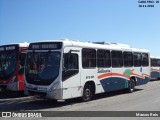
[[7, 64], [42, 67]]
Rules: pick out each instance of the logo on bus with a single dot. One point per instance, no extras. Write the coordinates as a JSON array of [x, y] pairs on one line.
[[101, 70]]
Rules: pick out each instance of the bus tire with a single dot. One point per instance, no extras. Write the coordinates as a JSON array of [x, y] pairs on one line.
[[131, 86], [88, 93]]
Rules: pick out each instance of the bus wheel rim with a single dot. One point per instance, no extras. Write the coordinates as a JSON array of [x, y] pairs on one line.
[[87, 94]]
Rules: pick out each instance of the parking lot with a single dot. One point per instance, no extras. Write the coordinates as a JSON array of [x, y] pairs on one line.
[[145, 98]]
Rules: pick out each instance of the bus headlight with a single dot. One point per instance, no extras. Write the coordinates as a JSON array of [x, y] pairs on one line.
[[54, 87]]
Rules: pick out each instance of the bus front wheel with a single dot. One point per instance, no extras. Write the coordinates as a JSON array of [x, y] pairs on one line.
[[87, 93], [131, 86]]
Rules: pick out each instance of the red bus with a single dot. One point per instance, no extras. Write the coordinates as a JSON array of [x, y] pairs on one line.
[[12, 61]]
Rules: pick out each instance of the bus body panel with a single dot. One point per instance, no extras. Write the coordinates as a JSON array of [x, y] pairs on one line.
[[104, 76], [71, 82], [145, 78], [118, 80], [21, 82], [155, 72]]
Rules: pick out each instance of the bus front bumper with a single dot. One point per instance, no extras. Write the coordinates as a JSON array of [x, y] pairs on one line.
[[44, 94]]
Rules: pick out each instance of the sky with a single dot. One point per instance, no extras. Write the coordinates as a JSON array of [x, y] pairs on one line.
[[117, 21]]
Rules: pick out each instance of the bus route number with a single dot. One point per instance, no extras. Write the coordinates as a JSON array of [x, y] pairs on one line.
[[89, 77]]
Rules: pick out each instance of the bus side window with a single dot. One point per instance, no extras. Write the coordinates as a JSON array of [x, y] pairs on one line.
[[158, 62], [70, 65], [70, 61], [88, 58], [137, 57], [117, 59], [145, 59]]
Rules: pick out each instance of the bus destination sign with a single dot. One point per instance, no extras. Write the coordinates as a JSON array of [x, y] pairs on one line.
[[45, 46], [8, 48]]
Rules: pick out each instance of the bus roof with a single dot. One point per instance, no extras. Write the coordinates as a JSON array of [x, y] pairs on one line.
[[22, 44], [155, 57], [96, 45]]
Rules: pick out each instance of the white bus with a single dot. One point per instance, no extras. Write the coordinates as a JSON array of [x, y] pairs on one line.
[[64, 69], [155, 67]]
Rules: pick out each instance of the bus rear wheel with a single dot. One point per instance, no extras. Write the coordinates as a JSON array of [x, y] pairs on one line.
[[131, 86], [87, 93]]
